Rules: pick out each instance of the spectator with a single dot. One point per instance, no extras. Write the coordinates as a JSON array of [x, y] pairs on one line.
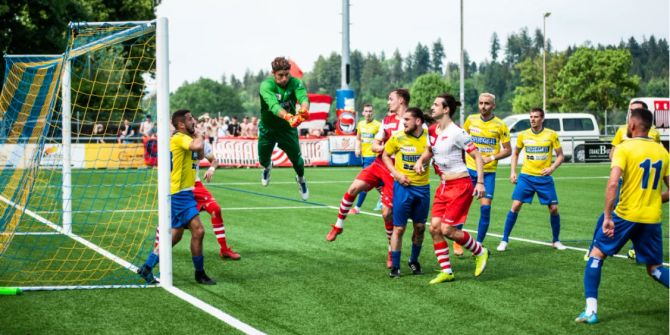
[[315, 132], [146, 126], [328, 128], [234, 128], [125, 132], [253, 127], [98, 132], [212, 130], [244, 127]]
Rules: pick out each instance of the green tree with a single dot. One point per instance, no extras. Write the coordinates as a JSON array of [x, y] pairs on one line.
[[40, 26], [426, 88], [207, 96], [437, 56], [495, 47], [529, 93], [596, 80]]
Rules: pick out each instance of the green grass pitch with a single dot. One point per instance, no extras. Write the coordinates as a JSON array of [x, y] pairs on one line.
[[290, 280]]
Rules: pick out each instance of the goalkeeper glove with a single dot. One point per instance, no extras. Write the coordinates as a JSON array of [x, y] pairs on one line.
[[304, 114], [293, 120]]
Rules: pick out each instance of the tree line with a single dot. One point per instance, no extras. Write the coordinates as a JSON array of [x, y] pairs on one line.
[[584, 77]]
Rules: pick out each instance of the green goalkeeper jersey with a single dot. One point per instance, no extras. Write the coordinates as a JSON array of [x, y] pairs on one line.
[[275, 98]]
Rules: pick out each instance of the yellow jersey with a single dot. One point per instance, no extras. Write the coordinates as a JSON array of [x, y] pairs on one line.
[[407, 150], [366, 133], [538, 149], [183, 162], [621, 136], [487, 136], [644, 164]]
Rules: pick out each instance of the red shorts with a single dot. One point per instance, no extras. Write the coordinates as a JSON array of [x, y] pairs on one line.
[[377, 175], [202, 196], [452, 201]]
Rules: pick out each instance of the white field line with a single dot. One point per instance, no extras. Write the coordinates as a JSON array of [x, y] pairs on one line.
[[177, 292], [583, 250]]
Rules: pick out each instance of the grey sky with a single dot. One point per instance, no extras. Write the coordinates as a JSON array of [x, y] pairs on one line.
[[211, 37]]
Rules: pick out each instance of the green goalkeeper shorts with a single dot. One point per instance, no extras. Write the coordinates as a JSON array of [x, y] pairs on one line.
[[286, 139]]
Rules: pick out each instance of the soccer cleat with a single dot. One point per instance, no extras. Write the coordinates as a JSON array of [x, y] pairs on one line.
[[229, 253], [145, 273], [355, 211], [458, 249], [378, 207], [442, 277], [558, 245], [631, 254], [265, 176], [415, 267], [332, 235], [395, 273], [502, 246], [302, 187], [202, 278], [480, 262], [588, 319]]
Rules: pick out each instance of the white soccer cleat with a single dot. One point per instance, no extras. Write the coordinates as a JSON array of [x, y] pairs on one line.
[[558, 245], [265, 176], [302, 187], [502, 246]]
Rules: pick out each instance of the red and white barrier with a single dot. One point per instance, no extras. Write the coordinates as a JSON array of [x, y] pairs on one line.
[[235, 151]]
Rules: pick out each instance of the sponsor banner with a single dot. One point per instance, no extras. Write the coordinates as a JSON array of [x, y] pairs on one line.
[[21, 156], [244, 152], [114, 156], [52, 156], [597, 152], [342, 143]]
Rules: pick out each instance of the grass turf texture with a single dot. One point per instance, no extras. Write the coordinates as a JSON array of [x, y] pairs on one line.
[[290, 280]]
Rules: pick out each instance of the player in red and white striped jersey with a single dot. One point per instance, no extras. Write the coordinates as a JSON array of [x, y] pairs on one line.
[[376, 175], [455, 193]]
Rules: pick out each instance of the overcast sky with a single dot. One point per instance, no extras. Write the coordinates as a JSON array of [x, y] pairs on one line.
[[211, 37]]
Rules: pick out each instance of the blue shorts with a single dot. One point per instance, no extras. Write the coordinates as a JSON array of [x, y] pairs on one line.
[[184, 209], [527, 186], [366, 161], [489, 182], [410, 202], [647, 238]]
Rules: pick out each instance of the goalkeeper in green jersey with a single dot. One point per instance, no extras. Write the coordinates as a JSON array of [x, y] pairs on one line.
[[279, 96]]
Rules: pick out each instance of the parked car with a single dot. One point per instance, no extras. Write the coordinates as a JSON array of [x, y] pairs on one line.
[[574, 129]]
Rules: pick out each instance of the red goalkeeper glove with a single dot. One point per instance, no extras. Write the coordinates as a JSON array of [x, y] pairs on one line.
[[293, 120], [304, 114]]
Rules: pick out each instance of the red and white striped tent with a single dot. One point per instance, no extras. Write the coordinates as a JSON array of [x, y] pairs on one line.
[[319, 106]]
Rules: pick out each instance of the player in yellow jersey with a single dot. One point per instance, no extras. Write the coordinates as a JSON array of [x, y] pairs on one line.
[[491, 137], [185, 153], [411, 190], [621, 135], [641, 163], [365, 135], [538, 144]]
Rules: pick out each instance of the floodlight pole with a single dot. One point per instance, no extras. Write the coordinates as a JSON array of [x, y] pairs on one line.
[[66, 134], [345, 45], [462, 73], [163, 123], [544, 61]]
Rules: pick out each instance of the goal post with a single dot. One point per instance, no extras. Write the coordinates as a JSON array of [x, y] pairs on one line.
[[79, 201]]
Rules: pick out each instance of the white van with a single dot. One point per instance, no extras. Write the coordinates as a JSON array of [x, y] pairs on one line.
[[574, 129]]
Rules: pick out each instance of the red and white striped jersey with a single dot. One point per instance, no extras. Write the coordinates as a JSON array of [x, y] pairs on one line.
[[448, 146]]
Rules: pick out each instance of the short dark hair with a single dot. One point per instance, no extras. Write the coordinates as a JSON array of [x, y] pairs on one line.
[[450, 102], [179, 116], [417, 113], [280, 63], [644, 104], [645, 117], [537, 109], [367, 105], [404, 94]]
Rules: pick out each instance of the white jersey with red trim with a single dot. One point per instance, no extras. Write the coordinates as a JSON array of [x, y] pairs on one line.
[[208, 151], [448, 148]]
